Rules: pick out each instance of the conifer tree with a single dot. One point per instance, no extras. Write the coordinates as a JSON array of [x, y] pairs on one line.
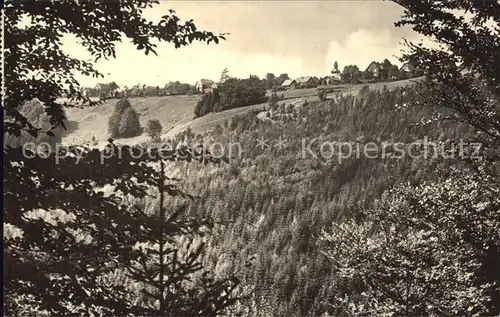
[[172, 277]]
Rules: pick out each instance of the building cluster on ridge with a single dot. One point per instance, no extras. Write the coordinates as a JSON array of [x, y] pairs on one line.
[[374, 72]]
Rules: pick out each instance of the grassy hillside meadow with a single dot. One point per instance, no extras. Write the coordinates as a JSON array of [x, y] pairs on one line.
[[91, 122]]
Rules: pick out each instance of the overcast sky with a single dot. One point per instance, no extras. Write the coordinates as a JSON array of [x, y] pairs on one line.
[[295, 37]]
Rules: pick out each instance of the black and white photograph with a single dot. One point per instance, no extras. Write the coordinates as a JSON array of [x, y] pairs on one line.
[[238, 158]]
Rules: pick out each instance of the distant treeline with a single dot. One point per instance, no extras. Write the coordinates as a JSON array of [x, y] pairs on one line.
[[111, 90]]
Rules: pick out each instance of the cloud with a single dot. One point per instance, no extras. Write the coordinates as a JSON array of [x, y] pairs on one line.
[[362, 47], [297, 38], [187, 64]]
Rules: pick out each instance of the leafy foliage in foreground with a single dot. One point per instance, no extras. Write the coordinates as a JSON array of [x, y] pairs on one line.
[[60, 252], [432, 248], [34, 111], [419, 250], [65, 233]]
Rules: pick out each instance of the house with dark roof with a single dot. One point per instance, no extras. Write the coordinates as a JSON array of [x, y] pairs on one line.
[[212, 87], [102, 87], [378, 71], [104, 91], [410, 70], [375, 68], [333, 79]]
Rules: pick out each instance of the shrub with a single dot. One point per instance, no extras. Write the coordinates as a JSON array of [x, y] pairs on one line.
[[153, 129], [122, 105], [129, 124], [115, 118], [103, 96], [124, 121], [210, 102], [113, 124], [34, 111]]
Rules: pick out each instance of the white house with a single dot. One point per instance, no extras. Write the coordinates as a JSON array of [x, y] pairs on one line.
[[204, 84], [289, 84]]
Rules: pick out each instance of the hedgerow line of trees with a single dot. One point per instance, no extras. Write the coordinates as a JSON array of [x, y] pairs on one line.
[[351, 74], [112, 90], [232, 93]]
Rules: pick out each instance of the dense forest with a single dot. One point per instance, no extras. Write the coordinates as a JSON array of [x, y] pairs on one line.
[[279, 200]]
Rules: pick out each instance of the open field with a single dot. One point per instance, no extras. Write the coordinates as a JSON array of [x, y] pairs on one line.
[[378, 86], [93, 121], [176, 113], [209, 121], [296, 93]]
